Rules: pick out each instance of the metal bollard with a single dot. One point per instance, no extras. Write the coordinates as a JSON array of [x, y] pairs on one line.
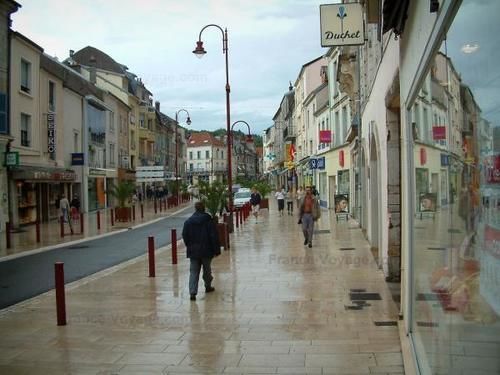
[[7, 234], [142, 211], [151, 256], [62, 226], [37, 227], [98, 220], [112, 217], [155, 207], [81, 223], [241, 216], [174, 246], [60, 294], [133, 212]]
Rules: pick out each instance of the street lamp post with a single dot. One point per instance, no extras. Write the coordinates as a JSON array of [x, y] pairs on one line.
[[188, 121], [199, 51], [249, 135]]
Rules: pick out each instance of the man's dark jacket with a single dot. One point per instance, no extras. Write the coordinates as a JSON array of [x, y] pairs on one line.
[[200, 236], [255, 199]]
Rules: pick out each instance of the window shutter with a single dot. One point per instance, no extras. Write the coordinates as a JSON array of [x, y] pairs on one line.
[[4, 126]]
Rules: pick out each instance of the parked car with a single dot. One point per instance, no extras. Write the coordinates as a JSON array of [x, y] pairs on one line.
[[241, 197]]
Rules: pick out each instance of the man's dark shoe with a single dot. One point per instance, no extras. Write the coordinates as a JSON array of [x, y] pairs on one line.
[[310, 244], [193, 297], [209, 289], [305, 241]]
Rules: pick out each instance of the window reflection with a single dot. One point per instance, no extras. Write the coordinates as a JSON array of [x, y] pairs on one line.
[[456, 130]]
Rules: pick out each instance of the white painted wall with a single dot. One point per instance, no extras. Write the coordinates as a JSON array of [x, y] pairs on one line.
[[374, 122]]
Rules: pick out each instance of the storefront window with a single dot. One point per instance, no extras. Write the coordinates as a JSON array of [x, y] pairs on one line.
[[456, 254], [96, 193], [26, 202]]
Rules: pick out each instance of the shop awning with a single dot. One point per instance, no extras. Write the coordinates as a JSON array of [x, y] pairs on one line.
[[43, 174]]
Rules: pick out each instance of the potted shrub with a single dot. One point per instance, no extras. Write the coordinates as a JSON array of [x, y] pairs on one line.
[[123, 191], [264, 189], [214, 196]]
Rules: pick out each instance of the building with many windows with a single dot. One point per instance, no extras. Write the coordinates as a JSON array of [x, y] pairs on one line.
[[206, 158], [7, 8]]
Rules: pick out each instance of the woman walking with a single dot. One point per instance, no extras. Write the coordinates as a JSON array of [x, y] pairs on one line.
[[280, 196]]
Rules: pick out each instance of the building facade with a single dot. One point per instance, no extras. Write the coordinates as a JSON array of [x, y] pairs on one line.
[[7, 7]]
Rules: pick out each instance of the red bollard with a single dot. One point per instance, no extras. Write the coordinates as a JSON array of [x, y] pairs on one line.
[[81, 222], [62, 226], [60, 294], [174, 246], [7, 234], [237, 218], [151, 256], [142, 211], [133, 212], [37, 231], [112, 217], [241, 216], [98, 220]]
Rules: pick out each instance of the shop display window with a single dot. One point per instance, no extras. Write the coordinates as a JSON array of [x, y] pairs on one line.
[[26, 202], [455, 253]]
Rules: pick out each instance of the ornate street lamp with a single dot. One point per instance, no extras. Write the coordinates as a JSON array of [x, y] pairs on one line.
[[249, 138], [199, 51], [188, 121]]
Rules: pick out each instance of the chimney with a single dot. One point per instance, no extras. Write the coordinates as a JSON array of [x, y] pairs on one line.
[[71, 53], [157, 105], [92, 69]]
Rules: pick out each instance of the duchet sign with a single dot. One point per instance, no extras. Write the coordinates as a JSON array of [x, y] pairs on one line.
[[341, 24]]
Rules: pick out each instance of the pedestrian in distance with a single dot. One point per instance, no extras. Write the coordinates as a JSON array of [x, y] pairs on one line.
[[309, 212], [280, 197], [64, 207], [300, 194], [202, 244], [75, 207], [255, 202], [289, 201]]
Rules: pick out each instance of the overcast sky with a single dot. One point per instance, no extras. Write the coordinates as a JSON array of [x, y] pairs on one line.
[[269, 41], [479, 69]]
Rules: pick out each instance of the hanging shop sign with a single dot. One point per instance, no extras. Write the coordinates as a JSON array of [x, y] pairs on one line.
[[341, 158], [341, 24], [51, 135], [438, 133], [325, 136], [11, 159], [423, 156], [318, 163], [77, 158]]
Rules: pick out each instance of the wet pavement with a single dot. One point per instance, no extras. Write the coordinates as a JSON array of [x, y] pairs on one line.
[[279, 307]]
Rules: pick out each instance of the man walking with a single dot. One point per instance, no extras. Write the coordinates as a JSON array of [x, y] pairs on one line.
[[202, 244], [255, 202], [64, 207], [309, 212]]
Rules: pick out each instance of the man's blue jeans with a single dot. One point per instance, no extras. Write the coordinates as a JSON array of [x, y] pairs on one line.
[[307, 227], [194, 274]]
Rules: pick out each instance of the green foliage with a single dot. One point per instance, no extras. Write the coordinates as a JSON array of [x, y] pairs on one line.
[[263, 188], [122, 192], [213, 195], [172, 187], [184, 187]]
